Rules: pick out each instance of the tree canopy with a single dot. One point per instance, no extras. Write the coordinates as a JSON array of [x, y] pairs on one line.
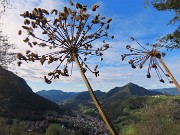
[[170, 40], [6, 57]]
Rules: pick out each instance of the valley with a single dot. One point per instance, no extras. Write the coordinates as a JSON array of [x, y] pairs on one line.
[[130, 109]]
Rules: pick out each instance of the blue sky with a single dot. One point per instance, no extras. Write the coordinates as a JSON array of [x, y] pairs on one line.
[[130, 18]]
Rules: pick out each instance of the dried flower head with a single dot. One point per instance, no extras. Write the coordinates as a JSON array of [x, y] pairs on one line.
[[71, 34], [143, 56]]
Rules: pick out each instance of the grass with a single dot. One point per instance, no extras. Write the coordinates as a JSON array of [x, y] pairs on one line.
[[14, 127]]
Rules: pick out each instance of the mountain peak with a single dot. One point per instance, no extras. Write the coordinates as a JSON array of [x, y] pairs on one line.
[[130, 89], [131, 84]]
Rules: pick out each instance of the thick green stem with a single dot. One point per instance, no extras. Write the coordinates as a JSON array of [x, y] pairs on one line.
[[169, 73], [95, 100]]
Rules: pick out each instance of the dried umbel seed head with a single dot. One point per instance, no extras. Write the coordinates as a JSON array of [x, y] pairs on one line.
[[68, 33], [142, 56]]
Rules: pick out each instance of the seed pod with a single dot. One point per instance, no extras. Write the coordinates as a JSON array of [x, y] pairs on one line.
[[161, 80], [19, 56], [35, 10], [96, 73], [102, 18], [84, 9], [140, 66], [66, 10], [109, 20], [28, 51], [154, 66], [42, 60], [25, 27], [84, 70], [34, 43], [26, 22], [40, 12], [50, 74], [45, 11], [163, 54], [106, 45], [158, 55], [47, 80], [19, 32], [123, 57], [33, 24], [71, 3], [30, 44], [79, 6], [44, 32], [128, 46], [95, 68], [107, 27], [95, 21], [26, 40], [171, 82], [133, 66], [94, 7], [148, 75], [131, 61], [54, 11], [55, 21], [132, 38], [85, 16], [26, 14], [19, 63]]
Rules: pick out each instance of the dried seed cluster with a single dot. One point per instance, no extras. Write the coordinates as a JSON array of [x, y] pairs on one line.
[[72, 31], [142, 56]]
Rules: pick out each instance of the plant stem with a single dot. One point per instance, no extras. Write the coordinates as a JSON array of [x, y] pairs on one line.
[[93, 96], [169, 73]]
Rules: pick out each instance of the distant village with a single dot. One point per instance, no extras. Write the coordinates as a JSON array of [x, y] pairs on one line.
[[75, 123]]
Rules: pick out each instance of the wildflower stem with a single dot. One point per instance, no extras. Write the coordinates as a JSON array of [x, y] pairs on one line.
[[169, 73], [95, 100]]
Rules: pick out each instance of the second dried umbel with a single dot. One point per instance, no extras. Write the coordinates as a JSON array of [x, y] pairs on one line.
[[153, 58]]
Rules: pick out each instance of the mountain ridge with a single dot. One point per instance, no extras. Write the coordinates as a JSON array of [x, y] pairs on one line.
[[18, 100], [168, 91], [127, 90]]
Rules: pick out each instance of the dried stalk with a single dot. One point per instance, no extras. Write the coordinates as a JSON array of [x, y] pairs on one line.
[[170, 74], [95, 100]]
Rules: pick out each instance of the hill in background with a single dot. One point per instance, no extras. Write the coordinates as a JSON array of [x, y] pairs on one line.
[[56, 96], [168, 91], [18, 100]]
